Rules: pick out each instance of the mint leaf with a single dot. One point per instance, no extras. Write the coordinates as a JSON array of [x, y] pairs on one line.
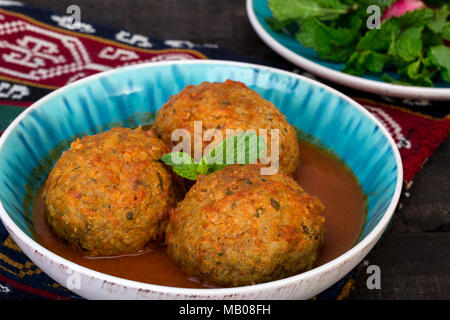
[[440, 20], [412, 70], [182, 164], [418, 73], [335, 44], [418, 17], [277, 25], [186, 171], [431, 39], [202, 167], [242, 148], [365, 61], [177, 158], [380, 39], [409, 44], [303, 9], [440, 57], [446, 31], [249, 147]]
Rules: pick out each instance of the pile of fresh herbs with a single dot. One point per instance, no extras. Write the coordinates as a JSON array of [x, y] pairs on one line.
[[414, 44]]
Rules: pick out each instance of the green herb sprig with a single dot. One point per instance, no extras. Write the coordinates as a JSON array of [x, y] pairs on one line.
[[243, 148]]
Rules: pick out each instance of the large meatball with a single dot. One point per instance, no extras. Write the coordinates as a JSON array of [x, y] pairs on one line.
[[227, 105], [108, 194], [236, 227]]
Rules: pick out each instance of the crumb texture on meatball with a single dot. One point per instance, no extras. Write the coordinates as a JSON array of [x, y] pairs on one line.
[[228, 105], [108, 194], [236, 227]]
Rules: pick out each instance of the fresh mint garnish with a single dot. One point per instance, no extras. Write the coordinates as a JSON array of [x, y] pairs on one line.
[[243, 148]]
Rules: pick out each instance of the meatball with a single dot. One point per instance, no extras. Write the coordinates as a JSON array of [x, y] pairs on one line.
[[228, 105], [108, 194], [236, 227]]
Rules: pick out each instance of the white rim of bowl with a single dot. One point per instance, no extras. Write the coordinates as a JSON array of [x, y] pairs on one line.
[[377, 231], [383, 88]]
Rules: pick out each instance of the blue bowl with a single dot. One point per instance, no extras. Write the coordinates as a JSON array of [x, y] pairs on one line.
[[130, 97]]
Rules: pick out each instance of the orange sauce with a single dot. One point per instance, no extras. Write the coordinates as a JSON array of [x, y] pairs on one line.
[[319, 173]]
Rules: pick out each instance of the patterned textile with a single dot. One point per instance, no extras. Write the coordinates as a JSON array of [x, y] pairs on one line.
[[40, 52]]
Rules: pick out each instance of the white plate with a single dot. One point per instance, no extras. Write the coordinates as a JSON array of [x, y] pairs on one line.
[[256, 15]]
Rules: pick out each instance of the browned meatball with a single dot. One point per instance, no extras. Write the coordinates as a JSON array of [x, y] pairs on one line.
[[236, 227], [108, 194], [228, 105]]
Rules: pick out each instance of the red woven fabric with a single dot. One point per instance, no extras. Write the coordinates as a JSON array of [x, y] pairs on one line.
[[417, 135], [43, 55]]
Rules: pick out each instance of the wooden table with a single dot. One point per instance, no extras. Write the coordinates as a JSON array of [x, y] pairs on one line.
[[414, 255]]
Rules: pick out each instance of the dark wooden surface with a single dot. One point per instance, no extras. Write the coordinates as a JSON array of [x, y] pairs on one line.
[[414, 255]]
